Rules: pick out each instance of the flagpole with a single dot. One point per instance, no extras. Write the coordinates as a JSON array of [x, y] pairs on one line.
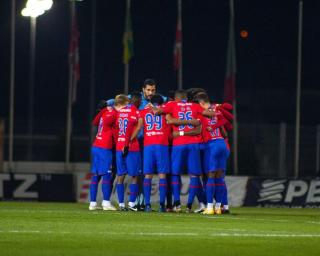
[[93, 69], [297, 140], [235, 130], [69, 103], [180, 55], [33, 28], [232, 57], [12, 83], [126, 64]]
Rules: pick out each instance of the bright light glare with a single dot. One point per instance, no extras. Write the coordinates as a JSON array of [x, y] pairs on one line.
[[34, 8]]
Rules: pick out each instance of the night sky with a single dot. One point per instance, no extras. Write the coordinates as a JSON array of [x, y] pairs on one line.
[[266, 60]]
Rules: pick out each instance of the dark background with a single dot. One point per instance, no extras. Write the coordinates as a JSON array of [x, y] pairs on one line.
[[266, 60]]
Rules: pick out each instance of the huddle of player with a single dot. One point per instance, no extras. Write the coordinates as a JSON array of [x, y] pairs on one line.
[[184, 133]]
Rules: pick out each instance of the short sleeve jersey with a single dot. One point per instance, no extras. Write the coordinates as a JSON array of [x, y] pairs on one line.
[[185, 111], [210, 134], [105, 124], [155, 127], [126, 115]]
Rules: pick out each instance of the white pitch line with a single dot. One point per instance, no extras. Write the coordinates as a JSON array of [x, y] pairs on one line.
[[177, 234], [314, 222], [263, 235]]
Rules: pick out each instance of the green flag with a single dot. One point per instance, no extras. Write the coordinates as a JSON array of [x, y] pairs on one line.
[[127, 37]]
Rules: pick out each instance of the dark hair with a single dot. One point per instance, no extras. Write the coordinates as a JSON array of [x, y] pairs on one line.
[[149, 81], [192, 92], [201, 97], [101, 105], [135, 98], [157, 99], [181, 94], [136, 94], [170, 95]]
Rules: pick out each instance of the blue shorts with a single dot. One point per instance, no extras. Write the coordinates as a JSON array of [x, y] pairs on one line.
[[130, 165], [183, 156], [101, 162], [215, 156], [156, 157]]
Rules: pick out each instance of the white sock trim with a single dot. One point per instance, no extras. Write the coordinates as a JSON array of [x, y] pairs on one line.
[[93, 203], [218, 205], [106, 203]]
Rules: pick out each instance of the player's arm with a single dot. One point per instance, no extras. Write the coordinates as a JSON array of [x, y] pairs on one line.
[[164, 109], [96, 119], [208, 113], [193, 132], [158, 111], [224, 132], [137, 129], [177, 121]]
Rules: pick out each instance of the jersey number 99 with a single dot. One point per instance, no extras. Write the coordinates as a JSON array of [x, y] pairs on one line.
[[153, 121]]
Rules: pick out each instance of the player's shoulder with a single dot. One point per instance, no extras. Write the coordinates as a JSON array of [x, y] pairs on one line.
[[147, 109], [194, 104], [107, 111], [169, 103], [110, 110]]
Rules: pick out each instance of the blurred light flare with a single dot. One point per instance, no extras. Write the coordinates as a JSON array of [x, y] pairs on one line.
[[35, 8]]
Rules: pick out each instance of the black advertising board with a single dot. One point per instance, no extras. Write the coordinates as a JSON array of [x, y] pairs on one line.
[[283, 192], [37, 187]]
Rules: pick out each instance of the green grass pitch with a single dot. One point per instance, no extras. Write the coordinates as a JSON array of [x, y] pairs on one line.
[[70, 229]]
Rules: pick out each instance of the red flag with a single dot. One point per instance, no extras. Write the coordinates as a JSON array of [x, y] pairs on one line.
[[177, 45], [230, 79], [74, 58]]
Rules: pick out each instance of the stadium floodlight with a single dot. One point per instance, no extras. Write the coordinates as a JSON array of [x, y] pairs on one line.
[[35, 8]]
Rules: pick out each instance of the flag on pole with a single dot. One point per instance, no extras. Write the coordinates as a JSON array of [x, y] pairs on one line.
[[178, 43], [230, 82], [74, 57], [127, 37]]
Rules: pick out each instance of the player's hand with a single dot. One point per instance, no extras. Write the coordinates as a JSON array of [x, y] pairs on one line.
[[169, 120], [149, 105], [154, 109], [175, 134], [209, 129], [125, 151], [194, 122]]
